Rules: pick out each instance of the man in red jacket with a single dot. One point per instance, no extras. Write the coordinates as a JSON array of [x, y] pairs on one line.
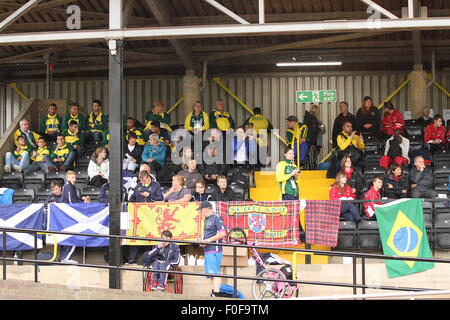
[[390, 119], [435, 134], [373, 194]]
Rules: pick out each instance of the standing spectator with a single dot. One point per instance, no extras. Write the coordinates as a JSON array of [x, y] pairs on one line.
[[368, 118], [30, 136], [213, 233], [197, 120], [354, 177], [260, 126], [395, 185], [199, 194], [424, 120], [244, 147], [342, 191], [374, 193], [75, 115], [396, 150], [98, 168], [297, 134], [421, 179], [221, 119], [435, 134], [287, 175], [191, 175], [350, 144], [392, 118], [51, 124], [140, 134], [157, 113], [132, 153], [74, 138], [223, 192], [96, 123], [63, 155], [19, 157], [260, 123], [41, 158], [178, 191], [69, 195], [315, 126], [343, 117], [154, 153]]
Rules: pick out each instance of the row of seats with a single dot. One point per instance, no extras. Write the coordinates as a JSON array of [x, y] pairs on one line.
[[365, 234]]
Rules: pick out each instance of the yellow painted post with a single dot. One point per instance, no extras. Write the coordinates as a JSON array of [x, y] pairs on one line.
[[217, 80], [55, 246], [14, 86], [408, 79], [430, 77], [294, 262]]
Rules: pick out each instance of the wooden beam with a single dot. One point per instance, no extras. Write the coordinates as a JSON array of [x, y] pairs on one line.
[[127, 11], [14, 16], [36, 53]]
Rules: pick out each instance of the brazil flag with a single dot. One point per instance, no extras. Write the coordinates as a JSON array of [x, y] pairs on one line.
[[403, 233]]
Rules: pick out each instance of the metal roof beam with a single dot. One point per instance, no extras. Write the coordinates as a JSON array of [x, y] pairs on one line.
[[17, 14], [227, 11], [380, 9]]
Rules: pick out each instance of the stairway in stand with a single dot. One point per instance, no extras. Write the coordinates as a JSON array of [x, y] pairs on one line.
[[313, 185]]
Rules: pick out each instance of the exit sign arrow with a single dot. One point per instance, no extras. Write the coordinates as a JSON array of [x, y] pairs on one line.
[[316, 96]]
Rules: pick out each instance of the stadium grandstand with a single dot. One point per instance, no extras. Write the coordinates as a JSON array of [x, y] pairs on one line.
[[319, 129]]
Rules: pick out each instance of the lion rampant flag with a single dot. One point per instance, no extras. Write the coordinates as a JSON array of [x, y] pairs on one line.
[[149, 220]]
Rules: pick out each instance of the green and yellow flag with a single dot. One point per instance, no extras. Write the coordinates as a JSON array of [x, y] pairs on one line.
[[402, 232]]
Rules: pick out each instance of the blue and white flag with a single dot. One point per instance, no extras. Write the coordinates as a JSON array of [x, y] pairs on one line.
[[24, 216], [79, 218]]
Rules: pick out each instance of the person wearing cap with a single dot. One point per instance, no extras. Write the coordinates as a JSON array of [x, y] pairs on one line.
[[213, 233], [390, 119], [368, 118], [397, 149], [296, 134]]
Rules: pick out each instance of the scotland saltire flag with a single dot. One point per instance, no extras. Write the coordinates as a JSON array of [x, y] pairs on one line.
[[24, 216], [79, 218]]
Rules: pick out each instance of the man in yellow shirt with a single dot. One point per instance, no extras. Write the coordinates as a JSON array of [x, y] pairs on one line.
[[350, 144], [197, 120], [221, 119]]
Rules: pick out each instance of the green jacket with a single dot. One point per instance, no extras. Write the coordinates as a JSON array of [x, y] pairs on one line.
[[61, 152], [80, 119], [222, 121], [288, 185], [50, 124], [97, 123], [74, 139]]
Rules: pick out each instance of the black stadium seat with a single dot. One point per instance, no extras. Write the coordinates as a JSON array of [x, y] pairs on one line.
[[12, 180], [92, 192], [51, 176], [347, 239], [368, 234], [42, 194], [23, 195], [34, 179]]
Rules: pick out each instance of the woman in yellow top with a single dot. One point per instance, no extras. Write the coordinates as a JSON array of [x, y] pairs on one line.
[[287, 175]]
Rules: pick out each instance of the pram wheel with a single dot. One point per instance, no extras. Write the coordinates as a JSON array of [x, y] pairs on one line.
[[269, 286]]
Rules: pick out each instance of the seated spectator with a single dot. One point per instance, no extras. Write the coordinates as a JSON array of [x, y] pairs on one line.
[[161, 258], [343, 117], [146, 190], [40, 158], [75, 138], [368, 118], [354, 178], [296, 134], [31, 137], [132, 153], [425, 119], [395, 186], [421, 179], [221, 119], [103, 196], [214, 147], [191, 175], [374, 193], [98, 168], [19, 158], [178, 191], [154, 153], [164, 134], [63, 155], [342, 191], [96, 123], [199, 194], [197, 120], [244, 148], [140, 134], [390, 121], [75, 115], [396, 150], [287, 175], [51, 124], [157, 113], [56, 196], [350, 144], [224, 192], [435, 135]]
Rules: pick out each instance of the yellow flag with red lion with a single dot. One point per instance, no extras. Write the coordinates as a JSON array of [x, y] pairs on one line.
[[149, 220]]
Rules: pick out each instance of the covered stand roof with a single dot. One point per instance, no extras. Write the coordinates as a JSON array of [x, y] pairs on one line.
[[364, 50]]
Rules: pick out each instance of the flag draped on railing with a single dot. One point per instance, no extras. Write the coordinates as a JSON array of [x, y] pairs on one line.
[[79, 218], [267, 223], [322, 222], [24, 216]]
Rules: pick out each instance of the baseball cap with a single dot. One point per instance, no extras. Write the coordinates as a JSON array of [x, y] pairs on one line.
[[292, 118], [204, 204]]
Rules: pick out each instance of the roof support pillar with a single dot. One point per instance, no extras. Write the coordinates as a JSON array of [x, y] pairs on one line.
[[190, 90]]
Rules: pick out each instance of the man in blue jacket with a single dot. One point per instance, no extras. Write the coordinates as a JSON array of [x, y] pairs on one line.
[[154, 153], [163, 255]]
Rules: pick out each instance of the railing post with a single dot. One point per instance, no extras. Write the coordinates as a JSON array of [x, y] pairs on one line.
[[35, 257], [363, 274], [235, 271], [354, 274], [4, 254]]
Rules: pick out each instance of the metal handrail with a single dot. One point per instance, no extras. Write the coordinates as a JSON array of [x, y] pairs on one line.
[[354, 256]]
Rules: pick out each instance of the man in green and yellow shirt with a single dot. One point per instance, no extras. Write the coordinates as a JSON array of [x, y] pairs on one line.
[[40, 158], [140, 134], [63, 155], [296, 134], [197, 120], [74, 115], [157, 113], [74, 138], [221, 119], [19, 157], [287, 174], [96, 123], [51, 124]]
